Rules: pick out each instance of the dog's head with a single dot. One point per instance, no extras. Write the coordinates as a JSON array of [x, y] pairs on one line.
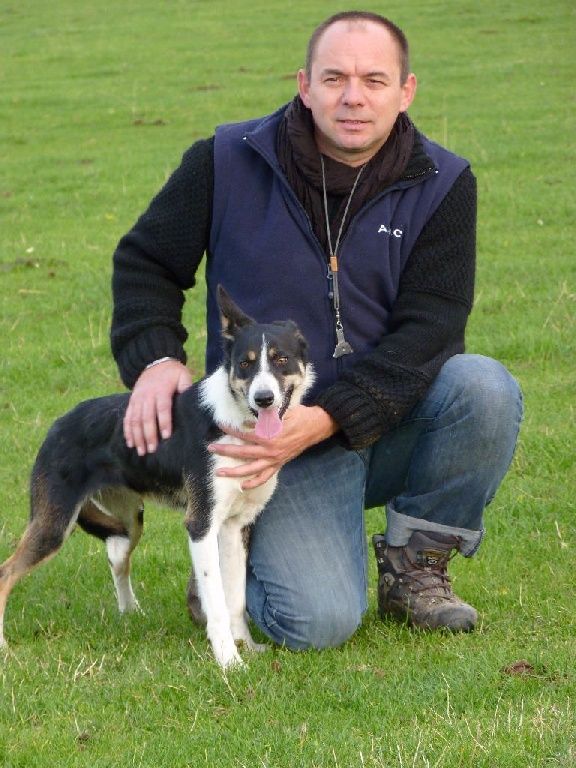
[[267, 364]]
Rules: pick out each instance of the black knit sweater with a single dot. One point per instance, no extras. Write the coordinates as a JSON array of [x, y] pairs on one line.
[[158, 259]]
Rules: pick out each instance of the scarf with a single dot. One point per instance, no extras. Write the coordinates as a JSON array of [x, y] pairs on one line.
[[299, 159]]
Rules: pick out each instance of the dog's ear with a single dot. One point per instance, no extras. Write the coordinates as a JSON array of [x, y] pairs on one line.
[[231, 316], [302, 343]]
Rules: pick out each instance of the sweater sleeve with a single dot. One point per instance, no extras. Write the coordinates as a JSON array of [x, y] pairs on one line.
[[426, 328], [156, 262]]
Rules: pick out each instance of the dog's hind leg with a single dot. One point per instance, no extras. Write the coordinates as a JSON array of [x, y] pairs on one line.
[[116, 516], [232, 545], [51, 520]]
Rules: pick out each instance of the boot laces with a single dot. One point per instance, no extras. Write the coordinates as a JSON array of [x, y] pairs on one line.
[[425, 578]]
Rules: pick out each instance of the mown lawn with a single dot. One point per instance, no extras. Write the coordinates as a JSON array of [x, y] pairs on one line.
[[98, 101]]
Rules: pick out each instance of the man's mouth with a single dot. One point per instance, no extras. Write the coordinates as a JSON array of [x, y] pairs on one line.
[[352, 123]]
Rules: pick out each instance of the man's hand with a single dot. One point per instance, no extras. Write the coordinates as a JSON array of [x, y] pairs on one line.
[[149, 411], [302, 427]]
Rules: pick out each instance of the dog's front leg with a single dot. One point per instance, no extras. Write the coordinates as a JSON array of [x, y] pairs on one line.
[[211, 591], [233, 557]]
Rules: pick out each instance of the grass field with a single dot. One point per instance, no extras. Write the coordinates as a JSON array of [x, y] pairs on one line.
[[98, 101]]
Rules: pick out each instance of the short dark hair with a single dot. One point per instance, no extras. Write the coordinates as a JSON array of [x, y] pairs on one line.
[[353, 16]]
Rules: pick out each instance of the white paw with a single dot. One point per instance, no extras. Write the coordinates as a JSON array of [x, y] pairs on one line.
[[130, 606], [229, 659], [251, 645], [225, 651], [242, 636]]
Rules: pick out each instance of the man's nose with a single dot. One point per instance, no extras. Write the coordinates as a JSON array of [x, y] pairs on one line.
[[353, 93]]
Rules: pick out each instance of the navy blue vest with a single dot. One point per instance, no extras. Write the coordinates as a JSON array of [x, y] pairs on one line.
[[264, 252]]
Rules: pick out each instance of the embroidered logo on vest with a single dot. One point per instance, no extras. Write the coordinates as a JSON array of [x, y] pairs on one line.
[[394, 232]]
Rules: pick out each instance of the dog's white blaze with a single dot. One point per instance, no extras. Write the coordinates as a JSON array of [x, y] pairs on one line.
[[118, 550], [264, 380]]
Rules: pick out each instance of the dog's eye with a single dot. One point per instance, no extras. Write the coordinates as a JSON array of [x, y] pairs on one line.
[[244, 364], [281, 360]]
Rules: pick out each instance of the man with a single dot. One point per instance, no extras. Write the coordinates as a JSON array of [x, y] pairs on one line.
[[336, 212]]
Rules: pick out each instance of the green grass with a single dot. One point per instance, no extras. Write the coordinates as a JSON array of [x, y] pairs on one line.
[[98, 101]]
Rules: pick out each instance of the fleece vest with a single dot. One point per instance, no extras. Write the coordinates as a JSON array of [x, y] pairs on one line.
[[264, 252]]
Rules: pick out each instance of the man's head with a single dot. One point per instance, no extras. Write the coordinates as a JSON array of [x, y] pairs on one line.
[[356, 82]]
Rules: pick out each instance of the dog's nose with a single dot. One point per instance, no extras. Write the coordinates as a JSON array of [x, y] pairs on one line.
[[264, 398]]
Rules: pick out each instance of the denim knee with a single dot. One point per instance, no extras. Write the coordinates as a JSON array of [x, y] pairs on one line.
[[317, 626], [313, 619], [487, 393]]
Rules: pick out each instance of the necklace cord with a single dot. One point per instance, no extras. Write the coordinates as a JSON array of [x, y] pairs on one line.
[[342, 346]]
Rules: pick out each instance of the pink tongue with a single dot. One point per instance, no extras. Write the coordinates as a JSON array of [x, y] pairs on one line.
[[269, 424]]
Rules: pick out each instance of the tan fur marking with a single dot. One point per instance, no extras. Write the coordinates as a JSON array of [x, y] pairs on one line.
[[92, 515], [28, 552]]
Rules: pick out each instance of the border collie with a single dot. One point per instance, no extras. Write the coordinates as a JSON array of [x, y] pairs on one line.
[[84, 473]]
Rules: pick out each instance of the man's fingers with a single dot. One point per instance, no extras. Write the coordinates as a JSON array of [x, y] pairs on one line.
[[133, 432], [164, 415], [185, 381], [149, 410], [149, 424], [248, 469], [259, 479], [247, 451], [253, 473]]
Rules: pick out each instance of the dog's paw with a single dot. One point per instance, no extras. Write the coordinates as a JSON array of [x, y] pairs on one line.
[[227, 655], [252, 646], [242, 636], [258, 647], [231, 662], [133, 606]]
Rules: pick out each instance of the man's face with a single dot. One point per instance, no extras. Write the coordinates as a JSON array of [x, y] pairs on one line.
[[354, 91]]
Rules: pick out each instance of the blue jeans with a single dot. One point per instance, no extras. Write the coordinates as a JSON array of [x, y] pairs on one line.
[[307, 571]]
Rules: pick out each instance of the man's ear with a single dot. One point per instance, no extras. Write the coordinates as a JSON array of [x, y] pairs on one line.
[[231, 316], [303, 87], [408, 91]]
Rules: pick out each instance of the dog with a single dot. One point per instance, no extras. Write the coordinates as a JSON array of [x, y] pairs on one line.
[[85, 474]]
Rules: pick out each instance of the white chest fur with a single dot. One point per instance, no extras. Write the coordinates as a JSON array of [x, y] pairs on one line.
[[229, 498]]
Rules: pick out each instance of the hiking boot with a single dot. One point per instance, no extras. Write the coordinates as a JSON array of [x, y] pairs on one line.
[[413, 583]]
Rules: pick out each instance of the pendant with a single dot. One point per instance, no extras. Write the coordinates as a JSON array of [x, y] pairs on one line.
[[342, 347]]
